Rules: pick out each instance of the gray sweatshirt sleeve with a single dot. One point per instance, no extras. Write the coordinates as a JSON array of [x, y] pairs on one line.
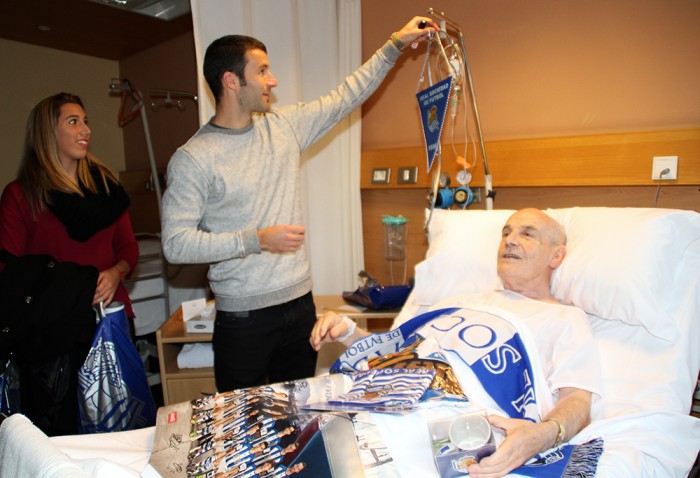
[[314, 119], [184, 203]]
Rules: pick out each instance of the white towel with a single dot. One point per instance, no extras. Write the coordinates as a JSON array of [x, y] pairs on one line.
[[196, 355], [25, 451]]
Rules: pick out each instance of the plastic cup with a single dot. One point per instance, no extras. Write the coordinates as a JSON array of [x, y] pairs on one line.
[[469, 432]]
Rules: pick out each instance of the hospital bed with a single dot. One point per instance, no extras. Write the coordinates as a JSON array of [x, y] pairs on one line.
[[633, 270]]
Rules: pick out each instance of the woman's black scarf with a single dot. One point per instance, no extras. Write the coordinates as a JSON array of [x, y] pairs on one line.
[[85, 216]]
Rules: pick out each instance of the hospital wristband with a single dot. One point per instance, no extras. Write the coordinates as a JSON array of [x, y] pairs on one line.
[[351, 325]]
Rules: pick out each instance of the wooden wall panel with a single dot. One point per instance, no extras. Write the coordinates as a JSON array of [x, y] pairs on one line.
[[143, 210], [622, 159], [603, 170]]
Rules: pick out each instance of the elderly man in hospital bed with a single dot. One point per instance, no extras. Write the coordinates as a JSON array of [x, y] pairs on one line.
[[532, 246]]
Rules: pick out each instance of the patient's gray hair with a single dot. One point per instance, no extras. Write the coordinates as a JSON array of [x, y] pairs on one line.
[[556, 232]]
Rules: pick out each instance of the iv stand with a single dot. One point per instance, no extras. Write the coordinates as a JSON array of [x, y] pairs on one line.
[[488, 183]]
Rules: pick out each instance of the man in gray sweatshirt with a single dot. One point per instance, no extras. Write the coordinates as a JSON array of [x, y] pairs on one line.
[[233, 201]]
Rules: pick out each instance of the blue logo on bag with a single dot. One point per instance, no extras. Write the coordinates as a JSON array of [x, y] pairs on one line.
[[112, 386]]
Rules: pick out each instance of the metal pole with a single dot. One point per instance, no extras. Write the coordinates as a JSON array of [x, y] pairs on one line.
[[488, 185], [152, 159]]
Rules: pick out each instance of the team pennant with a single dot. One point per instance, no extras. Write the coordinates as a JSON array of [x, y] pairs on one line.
[[432, 103]]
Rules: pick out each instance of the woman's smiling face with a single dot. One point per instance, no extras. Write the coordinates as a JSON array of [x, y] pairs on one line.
[[72, 133]]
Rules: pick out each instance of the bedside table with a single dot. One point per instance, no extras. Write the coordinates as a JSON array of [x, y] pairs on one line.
[[180, 385]]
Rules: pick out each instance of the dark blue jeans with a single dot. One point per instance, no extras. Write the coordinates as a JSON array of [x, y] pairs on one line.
[[267, 345]]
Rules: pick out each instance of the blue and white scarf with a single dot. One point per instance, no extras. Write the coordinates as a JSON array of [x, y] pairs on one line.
[[488, 344], [491, 343]]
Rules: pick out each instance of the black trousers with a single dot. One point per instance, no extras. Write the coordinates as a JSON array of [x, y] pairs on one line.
[[267, 345]]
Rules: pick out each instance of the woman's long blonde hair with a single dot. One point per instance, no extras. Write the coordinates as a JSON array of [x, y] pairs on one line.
[[41, 171]]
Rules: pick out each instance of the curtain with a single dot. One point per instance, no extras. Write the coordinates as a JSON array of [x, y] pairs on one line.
[[312, 45]]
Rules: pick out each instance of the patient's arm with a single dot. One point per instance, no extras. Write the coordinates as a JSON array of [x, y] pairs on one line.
[[525, 439], [330, 327]]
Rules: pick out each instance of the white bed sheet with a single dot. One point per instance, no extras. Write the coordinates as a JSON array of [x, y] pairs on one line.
[[109, 454], [642, 414], [27, 451], [646, 396]]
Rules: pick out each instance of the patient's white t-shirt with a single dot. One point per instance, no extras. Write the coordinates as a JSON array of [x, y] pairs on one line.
[[564, 338]]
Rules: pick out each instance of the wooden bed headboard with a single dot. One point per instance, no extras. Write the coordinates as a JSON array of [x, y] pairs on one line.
[[597, 170]]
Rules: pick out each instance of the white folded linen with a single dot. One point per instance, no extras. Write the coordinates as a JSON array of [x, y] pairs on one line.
[[196, 355], [27, 451]]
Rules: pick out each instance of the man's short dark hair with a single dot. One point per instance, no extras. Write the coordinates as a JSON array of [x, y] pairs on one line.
[[228, 53]]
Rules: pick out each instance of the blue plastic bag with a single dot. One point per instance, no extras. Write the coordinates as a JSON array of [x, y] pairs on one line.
[[389, 297], [113, 391], [373, 296]]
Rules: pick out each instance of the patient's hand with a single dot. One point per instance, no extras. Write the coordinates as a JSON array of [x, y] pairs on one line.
[[330, 327], [524, 439]]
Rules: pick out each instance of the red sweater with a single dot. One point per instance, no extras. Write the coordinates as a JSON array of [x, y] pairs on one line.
[[20, 234]]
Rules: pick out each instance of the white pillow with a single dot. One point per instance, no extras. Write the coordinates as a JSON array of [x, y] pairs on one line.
[[461, 256], [620, 262]]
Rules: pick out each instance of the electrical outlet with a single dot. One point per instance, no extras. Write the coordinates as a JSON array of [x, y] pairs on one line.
[[660, 163]]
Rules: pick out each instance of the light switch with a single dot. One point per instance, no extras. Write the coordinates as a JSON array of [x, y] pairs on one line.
[[408, 175]]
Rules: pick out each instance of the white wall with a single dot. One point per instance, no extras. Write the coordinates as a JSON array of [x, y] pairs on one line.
[[30, 74]]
